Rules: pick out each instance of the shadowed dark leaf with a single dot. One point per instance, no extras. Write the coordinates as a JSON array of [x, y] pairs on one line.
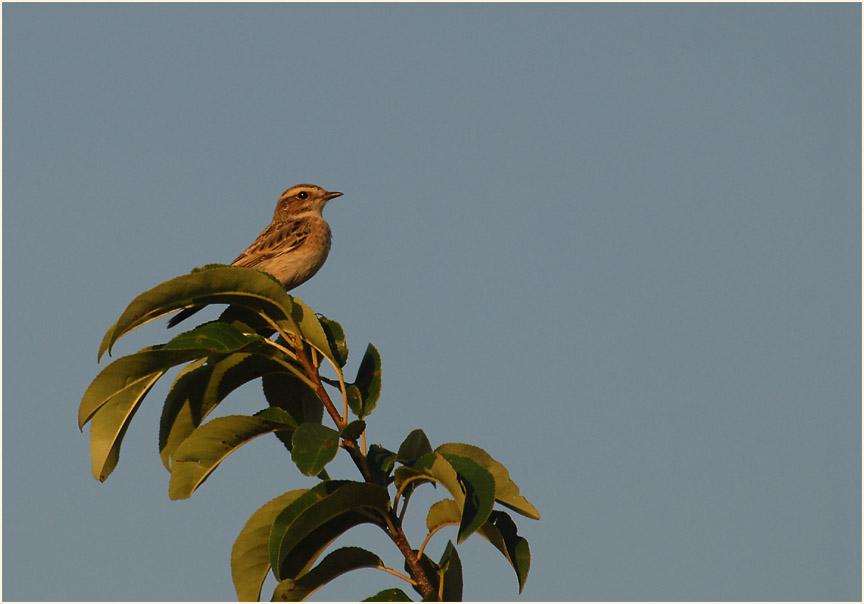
[[294, 544], [336, 563]]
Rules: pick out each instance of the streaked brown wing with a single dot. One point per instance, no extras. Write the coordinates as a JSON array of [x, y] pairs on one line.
[[278, 238]]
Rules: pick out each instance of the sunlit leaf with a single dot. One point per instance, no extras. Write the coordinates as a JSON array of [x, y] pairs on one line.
[[215, 284], [119, 388], [442, 513], [250, 556], [209, 444], [478, 487], [110, 422], [506, 491], [472, 487], [127, 373], [431, 468]]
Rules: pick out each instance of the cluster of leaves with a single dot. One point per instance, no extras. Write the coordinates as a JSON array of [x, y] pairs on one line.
[[267, 334]]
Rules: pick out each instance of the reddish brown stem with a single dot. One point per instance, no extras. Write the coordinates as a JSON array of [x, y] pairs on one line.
[[398, 536], [312, 372]]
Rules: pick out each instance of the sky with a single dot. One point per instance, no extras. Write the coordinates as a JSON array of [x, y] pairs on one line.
[[617, 246]]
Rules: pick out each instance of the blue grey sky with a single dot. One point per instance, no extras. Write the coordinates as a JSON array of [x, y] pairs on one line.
[[617, 246]]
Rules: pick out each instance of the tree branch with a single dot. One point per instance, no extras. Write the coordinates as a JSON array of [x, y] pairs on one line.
[[312, 371], [359, 459], [411, 557]]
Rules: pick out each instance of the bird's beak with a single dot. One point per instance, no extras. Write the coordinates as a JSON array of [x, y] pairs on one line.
[[330, 196]]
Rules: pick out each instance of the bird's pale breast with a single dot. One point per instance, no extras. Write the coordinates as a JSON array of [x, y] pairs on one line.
[[300, 264]]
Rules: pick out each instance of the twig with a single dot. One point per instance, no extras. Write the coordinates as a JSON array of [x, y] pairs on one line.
[[432, 532], [411, 558]]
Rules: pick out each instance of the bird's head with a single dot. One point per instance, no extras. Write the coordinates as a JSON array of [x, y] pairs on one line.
[[301, 199]]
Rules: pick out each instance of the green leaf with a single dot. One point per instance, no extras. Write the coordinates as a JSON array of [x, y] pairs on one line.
[[215, 284], [355, 399], [499, 530], [209, 444], [336, 563], [278, 415], [118, 390], [478, 486], [286, 391], [306, 526], [336, 339], [368, 381], [130, 372], [431, 468], [506, 491], [389, 595], [471, 486], [110, 422], [415, 446], [193, 395], [442, 513], [380, 462], [250, 556], [304, 555], [198, 389], [183, 410], [313, 447], [312, 331], [215, 337], [451, 574], [247, 321], [353, 430]]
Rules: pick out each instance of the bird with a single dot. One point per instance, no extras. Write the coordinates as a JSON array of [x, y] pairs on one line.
[[295, 244]]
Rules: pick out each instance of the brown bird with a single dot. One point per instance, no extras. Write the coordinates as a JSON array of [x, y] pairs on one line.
[[293, 246]]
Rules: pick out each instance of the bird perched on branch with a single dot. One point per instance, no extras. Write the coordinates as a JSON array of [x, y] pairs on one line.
[[293, 246]]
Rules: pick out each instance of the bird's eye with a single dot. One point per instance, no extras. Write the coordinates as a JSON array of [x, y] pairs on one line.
[[302, 195]]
